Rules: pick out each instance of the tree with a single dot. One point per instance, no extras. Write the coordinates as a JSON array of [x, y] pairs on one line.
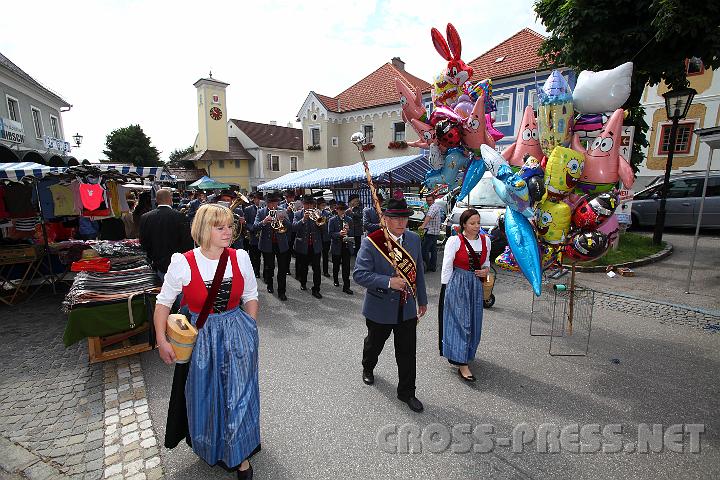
[[656, 35], [130, 144], [178, 153]]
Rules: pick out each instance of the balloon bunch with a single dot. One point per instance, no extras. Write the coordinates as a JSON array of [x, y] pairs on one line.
[[561, 200], [460, 122]]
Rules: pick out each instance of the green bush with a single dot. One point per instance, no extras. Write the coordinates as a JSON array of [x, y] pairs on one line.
[[632, 247]]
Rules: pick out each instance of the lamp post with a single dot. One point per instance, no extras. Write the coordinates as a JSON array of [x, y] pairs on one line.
[[677, 104], [78, 139]]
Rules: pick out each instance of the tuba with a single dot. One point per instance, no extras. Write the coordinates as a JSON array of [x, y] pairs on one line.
[[317, 217], [239, 229], [276, 223]]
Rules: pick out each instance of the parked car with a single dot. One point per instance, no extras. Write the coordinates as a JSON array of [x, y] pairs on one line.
[[683, 202], [483, 199]]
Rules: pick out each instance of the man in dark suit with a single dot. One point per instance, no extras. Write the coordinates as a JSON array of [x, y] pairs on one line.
[[273, 244], [253, 232], [341, 246], [308, 246], [164, 231], [356, 212], [395, 300], [325, 212], [371, 221]]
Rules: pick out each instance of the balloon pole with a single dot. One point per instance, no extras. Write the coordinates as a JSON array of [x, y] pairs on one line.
[[358, 139], [570, 305]]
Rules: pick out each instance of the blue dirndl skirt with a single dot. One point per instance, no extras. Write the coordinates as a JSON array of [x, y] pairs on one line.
[[462, 316], [222, 393]]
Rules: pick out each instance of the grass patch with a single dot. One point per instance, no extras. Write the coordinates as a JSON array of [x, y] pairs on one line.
[[632, 247]]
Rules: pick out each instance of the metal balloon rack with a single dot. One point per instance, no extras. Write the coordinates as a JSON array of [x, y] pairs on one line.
[[564, 314]]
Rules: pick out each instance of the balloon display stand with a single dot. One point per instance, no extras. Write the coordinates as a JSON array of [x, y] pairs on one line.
[[571, 320], [543, 311]]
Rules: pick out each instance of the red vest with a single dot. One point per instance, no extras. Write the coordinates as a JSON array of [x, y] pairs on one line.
[[462, 259], [195, 292]]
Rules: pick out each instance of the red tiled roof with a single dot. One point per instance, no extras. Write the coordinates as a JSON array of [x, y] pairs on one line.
[[237, 152], [520, 56], [271, 136], [187, 174], [375, 90]]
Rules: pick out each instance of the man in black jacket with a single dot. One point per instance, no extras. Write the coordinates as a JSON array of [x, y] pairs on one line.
[[164, 231]]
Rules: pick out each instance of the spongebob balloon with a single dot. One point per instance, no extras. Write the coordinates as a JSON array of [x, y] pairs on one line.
[[555, 113], [562, 171], [553, 223]]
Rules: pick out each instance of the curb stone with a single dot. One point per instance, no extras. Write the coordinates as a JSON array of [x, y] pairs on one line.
[[20, 461], [656, 257]]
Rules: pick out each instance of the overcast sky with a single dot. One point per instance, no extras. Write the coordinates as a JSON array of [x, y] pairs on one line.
[[126, 62]]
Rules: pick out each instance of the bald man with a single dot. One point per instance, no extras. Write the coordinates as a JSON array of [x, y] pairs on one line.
[[164, 231]]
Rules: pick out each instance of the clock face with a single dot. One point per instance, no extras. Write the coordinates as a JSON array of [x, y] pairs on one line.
[[215, 113]]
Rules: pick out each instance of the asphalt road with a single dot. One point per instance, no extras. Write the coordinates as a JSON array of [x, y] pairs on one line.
[[319, 420]]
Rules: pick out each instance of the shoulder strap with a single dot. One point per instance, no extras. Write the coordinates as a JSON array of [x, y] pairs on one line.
[[470, 250], [217, 279]]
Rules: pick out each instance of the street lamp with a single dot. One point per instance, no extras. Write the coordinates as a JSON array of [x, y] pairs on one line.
[[677, 104], [78, 139]]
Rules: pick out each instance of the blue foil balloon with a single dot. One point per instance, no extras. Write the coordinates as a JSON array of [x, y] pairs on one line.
[[474, 173], [455, 160], [523, 243], [513, 191]]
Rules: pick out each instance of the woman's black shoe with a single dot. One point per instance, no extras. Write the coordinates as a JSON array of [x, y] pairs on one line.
[[245, 474], [470, 378]]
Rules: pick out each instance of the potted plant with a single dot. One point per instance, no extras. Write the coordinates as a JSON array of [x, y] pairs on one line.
[[397, 145], [368, 146], [313, 147]]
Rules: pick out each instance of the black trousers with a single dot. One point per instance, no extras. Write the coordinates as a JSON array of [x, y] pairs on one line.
[[325, 257], [302, 263], [405, 337], [268, 272], [358, 238], [342, 260], [255, 255]]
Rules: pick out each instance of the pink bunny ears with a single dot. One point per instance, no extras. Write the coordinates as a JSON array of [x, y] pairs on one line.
[[442, 46]]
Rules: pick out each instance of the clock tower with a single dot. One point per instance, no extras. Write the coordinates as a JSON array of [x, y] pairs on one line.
[[212, 115]]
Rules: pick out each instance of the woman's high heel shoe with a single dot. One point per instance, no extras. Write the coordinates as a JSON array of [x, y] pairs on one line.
[[245, 474]]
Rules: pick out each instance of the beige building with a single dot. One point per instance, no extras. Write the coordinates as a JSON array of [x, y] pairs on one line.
[[237, 151], [371, 106], [690, 152]]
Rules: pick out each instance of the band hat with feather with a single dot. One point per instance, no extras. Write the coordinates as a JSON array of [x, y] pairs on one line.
[[397, 208]]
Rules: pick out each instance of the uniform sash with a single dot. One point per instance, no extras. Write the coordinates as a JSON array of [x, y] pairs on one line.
[[405, 262]]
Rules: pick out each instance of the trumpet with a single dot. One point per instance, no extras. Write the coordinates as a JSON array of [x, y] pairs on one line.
[[276, 223], [317, 217]]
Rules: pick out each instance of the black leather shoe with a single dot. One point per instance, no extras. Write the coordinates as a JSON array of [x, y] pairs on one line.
[[414, 404], [245, 474], [337, 284], [470, 378], [270, 289], [368, 377], [282, 297], [303, 287], [326, 274], [316, 294], [348, 291]]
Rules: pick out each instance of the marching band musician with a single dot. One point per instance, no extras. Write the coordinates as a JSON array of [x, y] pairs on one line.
[[290, 208], [274, 244], [308, 246], [356, 212], [325, 212], [253, 232], [341, 246], [395, 299], [371, 221]]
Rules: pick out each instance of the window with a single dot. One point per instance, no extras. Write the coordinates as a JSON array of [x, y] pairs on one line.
[[315, 136], [502, 114], [683, 141], [273, 163], [237, 163], [368, 131], [13, 108], [533, 100], [694, 66], [334, 141], [682, 188], [37, 122], [428, 108], [54, 127], [221, 163], [713, 187], [293, 164], [399, 129]]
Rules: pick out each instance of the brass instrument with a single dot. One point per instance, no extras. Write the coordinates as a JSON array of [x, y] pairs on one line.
[[317, 217], [239, 228], [276, 223]]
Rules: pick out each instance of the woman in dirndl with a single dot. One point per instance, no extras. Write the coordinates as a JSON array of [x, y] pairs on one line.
[[466, 265], [215, 400]]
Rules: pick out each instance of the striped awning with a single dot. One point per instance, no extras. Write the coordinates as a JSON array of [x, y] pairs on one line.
[[17, 171], [285, 180], [409, 169], [120, 170]]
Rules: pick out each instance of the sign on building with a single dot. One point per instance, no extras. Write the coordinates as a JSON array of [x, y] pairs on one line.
[[52, 143], [11, 131]]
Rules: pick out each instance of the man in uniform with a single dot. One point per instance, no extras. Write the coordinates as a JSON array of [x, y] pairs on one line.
[[308, 246], [356, 212], [371, 221], [395, 299], [273, 244], [253, 232], [341, 246]]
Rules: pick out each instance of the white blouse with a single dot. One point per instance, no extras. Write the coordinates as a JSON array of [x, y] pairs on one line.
[[178, 275], [451, 247]]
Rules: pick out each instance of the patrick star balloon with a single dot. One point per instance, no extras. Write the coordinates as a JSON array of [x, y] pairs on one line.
[[412, 106], [527, 141], [475, 132], [603, 163]]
